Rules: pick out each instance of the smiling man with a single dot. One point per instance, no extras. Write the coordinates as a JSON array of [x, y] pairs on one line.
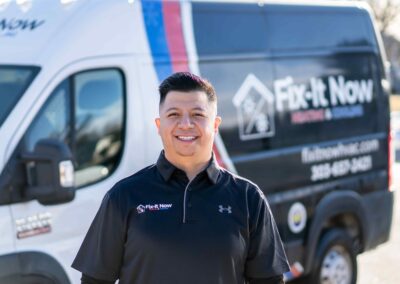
[[184, 220]]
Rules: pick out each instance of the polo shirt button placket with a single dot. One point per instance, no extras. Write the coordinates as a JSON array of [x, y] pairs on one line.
[[188, 190], [189, 211]]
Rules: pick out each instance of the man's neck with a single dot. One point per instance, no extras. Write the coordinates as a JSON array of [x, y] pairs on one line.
[[191, 167]]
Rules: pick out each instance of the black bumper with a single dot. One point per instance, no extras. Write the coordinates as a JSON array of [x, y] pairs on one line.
[[379, 214]]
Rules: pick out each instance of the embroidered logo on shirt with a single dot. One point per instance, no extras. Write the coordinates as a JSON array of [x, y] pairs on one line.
[[152, 207], [223, 209]]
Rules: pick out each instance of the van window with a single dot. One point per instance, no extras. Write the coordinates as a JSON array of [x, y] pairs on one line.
[[14, 80], [266, 29], [226, 29], [99, 109], [291, 29], [86, 111], [53, 120]]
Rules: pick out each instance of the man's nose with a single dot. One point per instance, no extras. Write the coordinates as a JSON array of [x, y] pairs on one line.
[[185, 122]]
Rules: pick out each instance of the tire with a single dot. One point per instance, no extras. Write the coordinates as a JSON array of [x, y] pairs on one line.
[[335, 261]]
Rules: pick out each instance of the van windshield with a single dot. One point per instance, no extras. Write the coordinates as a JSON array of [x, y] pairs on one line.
[[14, 80]]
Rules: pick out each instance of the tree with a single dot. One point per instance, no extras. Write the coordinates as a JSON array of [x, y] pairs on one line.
[[386, 12]]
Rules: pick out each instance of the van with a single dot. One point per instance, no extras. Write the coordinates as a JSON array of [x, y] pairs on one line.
[[302, 92]]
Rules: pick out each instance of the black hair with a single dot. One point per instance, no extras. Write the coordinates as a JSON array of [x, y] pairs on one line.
[[186, 82]]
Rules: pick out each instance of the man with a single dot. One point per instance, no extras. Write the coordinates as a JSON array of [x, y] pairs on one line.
[[184, 220]]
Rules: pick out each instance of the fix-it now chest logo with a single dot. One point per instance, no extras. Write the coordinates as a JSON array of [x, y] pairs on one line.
[[255, 109], [152, 207]]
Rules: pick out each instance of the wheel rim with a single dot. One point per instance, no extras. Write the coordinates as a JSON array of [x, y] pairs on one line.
[[336, 266]]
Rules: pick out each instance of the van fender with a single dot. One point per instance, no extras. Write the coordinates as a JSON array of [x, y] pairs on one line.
[[333, 204], [23, 265]]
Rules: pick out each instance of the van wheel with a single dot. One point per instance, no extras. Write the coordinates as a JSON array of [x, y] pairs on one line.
[[335, 262]]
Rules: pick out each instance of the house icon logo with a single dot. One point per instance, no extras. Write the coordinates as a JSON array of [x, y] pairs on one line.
[[255, 109]]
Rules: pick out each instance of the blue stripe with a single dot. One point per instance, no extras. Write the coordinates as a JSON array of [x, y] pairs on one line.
[[154, 23]]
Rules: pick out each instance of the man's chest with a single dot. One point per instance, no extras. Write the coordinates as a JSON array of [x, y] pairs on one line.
[[196, 221]]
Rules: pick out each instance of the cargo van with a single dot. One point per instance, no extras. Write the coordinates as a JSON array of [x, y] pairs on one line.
[[302, 91]]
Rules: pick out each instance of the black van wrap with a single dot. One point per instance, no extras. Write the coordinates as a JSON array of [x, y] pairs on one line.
[[304, 113]]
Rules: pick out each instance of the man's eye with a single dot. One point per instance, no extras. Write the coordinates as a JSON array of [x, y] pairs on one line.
[[199, 114], [172, 114]]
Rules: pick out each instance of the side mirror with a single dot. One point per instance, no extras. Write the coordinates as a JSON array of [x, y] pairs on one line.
[[50, 172]]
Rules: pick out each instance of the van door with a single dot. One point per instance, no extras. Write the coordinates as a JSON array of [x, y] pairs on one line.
[[6, 231], [86, 110], [7, 245]]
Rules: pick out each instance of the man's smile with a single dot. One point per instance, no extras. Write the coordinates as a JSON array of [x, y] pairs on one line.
[[186, 138]]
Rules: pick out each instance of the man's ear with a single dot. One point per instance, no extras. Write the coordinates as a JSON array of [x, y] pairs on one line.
[[217, 122], [158, 122]]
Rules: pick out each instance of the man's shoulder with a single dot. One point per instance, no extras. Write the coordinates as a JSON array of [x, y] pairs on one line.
[[236, 179], [241, 183], [141, 177]]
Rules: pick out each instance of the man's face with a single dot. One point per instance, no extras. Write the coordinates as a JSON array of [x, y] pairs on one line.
[[187, 125]]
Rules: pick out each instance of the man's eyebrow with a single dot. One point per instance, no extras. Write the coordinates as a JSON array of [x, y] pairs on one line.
[[193, 109], [172, 109], [199, 108]]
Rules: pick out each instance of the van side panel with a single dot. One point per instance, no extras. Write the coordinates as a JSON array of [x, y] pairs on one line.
[[304, 116], [310, 97]]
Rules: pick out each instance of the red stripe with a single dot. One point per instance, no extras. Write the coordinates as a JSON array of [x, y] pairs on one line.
[[295, 272], [218, 156], [174, 33]]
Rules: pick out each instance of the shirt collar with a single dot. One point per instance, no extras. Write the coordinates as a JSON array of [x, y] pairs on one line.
[[166, 168]]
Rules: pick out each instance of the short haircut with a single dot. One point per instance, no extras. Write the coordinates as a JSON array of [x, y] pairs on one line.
[[186, 82]]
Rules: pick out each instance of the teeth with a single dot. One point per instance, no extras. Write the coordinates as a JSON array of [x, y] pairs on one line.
[[186, 138]]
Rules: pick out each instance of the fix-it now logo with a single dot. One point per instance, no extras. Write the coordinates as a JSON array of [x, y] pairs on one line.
[[10, 27], [255, 107], [152, 207]]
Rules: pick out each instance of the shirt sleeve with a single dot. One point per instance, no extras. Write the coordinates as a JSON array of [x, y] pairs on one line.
[[101, 253], [90, 280], [266, 256]]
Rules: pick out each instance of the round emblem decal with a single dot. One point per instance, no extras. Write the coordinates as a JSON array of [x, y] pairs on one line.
[[297, 217]]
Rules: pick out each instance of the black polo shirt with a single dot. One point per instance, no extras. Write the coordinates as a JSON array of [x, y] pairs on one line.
[[157, 227]]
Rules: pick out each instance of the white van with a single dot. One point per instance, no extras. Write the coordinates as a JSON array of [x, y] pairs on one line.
[[78, 98]]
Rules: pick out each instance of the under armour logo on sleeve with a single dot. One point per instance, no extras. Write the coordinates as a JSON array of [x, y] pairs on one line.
[[223, 209]]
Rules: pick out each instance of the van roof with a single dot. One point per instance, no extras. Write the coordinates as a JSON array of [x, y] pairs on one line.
[[48, 30]]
